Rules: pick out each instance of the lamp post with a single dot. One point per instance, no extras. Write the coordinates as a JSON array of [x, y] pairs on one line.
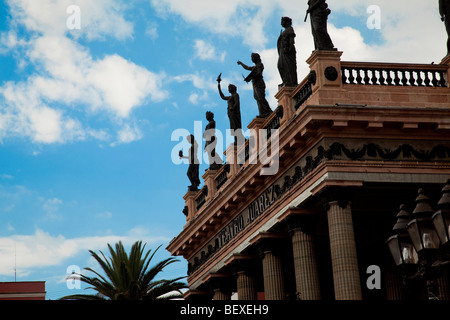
[[441, 219], [418, 239]]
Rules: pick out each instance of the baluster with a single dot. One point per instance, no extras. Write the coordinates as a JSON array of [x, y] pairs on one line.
[[419, 78], [382, 78], [412, 80], [366, 76], [374, 77], [351, 78], [404, 79], [442, 82], [427, 79], [358, 77], [397, 77], [344, 76], [434, 78], [389, 78]]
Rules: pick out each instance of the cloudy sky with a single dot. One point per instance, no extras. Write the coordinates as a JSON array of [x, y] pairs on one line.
[[87, 111]]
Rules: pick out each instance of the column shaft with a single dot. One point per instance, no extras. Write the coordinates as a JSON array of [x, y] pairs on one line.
[[246, 287], [305, 264], [343, 253], [273, 277], [220, 295]]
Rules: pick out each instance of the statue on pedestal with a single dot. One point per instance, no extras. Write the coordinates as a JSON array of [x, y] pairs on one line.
[[444, 11], [233, 110], [259, 86], [193, 170], [210, 146], [318, 9], [287, 55]]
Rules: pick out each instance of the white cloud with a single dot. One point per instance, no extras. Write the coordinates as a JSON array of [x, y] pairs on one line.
[[152, 30], [51, 207], [42, 106], [41, 249], [99, 18], [207, 51], [128, 134]]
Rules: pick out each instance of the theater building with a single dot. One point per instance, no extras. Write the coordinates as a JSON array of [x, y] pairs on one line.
[[356, 140]]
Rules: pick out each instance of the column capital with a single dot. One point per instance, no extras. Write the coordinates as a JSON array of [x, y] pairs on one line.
[[242, 263], [268, 242], [219, 281], [341, 195], [299, 218]]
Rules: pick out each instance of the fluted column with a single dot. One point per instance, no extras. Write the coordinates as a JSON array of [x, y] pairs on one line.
[[273, 276], [394, 287], [305, 264], [343, 252], [220, 295], [246, 287]]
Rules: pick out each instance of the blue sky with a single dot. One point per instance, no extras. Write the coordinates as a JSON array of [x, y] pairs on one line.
[[86, 115]]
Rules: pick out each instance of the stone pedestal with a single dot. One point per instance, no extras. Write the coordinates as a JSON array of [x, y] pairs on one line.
[[343, 252], [446, 61], [285, 99], [189, 199], [209, 177], [327, 66], [231, 155], [328, 87]]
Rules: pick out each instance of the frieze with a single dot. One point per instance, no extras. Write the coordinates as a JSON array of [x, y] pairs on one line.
[[348, 150]]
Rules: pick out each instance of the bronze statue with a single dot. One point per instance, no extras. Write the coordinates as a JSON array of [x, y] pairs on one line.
[[210, 146], [287, 55], [318, 9], [259, 86], [193, 170], [444, 11], [233, 110]]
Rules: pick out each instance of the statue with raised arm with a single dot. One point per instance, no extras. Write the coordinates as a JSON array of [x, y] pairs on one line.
[[287, 55], [193, 170], [319, 11], [444, 11], [210, 146], [233, 110], [259, 86]]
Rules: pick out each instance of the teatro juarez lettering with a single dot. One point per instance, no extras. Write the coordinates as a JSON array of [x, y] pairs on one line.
[[231, 230]]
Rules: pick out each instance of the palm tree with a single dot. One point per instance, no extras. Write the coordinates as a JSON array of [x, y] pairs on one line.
[[128, 277]]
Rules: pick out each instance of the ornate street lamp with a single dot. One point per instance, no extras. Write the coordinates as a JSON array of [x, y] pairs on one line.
[[417, 244], [441, 219], [421, 229], [399, 244], [426, 242]]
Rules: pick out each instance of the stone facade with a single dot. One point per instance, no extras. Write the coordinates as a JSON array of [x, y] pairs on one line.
[[355, 141]]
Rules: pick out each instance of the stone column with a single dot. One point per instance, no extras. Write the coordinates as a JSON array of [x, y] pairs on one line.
[[305, 264], [220, 295], [244, 269], [343, 252], [273, 276], [246, 287], [394, 287]]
